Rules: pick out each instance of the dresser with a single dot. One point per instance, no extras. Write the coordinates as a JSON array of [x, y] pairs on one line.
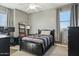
[[4, 45], [73, 41]]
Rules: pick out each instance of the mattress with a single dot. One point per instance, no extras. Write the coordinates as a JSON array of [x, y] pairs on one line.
[[45, 40]]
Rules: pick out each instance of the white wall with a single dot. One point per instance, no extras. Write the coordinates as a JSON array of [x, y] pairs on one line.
[[21, 17], [42, 20]]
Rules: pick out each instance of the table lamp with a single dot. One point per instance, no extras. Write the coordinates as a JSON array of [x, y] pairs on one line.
[[28, 28]]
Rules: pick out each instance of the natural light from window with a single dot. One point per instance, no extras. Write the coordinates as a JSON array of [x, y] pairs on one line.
[[64, 19], [3, 19]]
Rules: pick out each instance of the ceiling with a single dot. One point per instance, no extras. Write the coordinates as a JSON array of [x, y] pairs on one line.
[[25, 6]]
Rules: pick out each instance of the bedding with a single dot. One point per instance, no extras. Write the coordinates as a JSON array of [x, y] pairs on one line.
[[45, 40], [38, 44]]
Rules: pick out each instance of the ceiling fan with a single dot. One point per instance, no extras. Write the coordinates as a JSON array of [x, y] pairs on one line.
[[33, 7]]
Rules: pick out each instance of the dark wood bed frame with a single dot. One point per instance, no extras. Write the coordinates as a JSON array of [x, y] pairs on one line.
[[33, 47], [22, 30]]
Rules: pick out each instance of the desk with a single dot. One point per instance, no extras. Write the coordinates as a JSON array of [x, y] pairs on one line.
[[4, 45]]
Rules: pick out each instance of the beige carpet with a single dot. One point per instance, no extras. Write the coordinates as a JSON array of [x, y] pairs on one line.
[[13, 51], [57, 50]]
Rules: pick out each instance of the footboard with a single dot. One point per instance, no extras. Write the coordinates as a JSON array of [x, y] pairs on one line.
[[32, 47]]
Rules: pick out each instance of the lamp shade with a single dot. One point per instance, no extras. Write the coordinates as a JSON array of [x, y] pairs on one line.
[[27, 27]]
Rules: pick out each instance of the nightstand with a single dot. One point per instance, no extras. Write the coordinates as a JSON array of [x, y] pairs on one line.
[[14, 41]]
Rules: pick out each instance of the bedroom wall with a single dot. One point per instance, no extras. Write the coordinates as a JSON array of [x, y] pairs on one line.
[[42, 20], [19, 16]]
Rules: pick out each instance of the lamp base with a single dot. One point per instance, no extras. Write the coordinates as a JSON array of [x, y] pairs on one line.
[[27, 31]]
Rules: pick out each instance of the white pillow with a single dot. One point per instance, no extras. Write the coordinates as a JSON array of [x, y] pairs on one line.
[[22, 27], [45, 32]]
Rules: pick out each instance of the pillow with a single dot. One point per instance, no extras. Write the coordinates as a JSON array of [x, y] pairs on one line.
[[45, 32], [22, 27]]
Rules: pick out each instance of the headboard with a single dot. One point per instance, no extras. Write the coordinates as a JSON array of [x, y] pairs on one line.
[[22, 29], [51, 33]]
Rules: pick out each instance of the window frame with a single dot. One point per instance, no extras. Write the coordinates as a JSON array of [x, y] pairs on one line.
[[6, 21], [66, 20]]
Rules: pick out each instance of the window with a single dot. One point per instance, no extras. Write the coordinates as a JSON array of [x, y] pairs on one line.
[[3, 19], [64, 19]]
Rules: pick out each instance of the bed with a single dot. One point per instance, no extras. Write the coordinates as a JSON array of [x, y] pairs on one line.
[[39, 43]]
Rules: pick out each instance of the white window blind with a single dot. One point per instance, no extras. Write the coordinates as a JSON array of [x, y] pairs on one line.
[[3, 19], [64, 19]]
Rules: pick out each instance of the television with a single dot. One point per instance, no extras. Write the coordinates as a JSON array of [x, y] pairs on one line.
[[9, 29]]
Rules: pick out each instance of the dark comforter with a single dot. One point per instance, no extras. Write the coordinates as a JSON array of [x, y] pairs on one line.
[[45, 40]]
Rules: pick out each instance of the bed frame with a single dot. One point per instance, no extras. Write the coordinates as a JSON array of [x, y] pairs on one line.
[[22, 29], [33, 47]]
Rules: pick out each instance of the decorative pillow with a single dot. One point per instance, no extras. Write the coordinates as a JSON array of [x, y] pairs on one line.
[[45, 32]]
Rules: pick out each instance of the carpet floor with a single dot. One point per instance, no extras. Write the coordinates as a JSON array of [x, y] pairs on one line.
[[57, 50]]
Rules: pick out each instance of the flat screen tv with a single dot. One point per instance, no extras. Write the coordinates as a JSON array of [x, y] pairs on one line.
[[9, 29]]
